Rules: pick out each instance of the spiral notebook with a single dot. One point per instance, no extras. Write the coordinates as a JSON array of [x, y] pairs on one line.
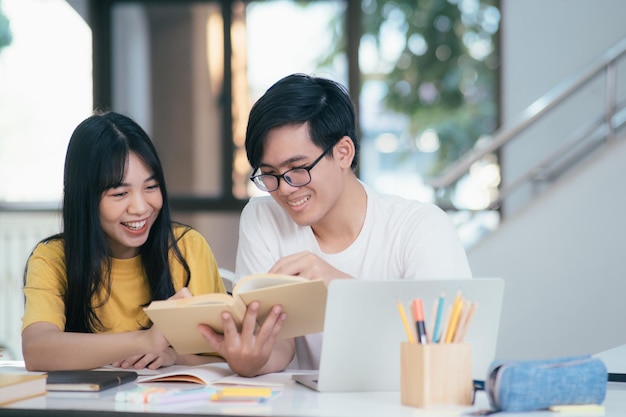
[[363, 330]]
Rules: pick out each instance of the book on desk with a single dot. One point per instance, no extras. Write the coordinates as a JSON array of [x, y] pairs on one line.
[[18, 386], [87, 380]]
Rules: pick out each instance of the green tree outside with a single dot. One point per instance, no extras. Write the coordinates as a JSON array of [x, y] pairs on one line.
[[5, 31], [443, 76]]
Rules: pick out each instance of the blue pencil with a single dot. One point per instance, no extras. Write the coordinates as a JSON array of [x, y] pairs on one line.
[[436, 335]]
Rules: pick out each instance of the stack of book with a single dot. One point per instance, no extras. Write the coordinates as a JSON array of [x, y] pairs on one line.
[[17, 387]]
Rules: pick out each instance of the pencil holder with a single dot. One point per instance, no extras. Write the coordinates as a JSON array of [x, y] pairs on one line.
[[436, 374]]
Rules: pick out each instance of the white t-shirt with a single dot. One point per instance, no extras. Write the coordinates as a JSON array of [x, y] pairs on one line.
[[400, 239]]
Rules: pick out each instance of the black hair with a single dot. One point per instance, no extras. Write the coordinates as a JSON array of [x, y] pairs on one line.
[[95, 162], [323, 104]]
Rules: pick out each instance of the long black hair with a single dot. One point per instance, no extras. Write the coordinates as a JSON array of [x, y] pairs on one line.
[[95, 162]]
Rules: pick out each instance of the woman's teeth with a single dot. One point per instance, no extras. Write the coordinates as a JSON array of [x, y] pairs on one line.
[[135, 225]]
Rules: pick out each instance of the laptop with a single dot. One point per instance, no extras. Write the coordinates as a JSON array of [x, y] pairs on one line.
[[363, 330], [615, 361]]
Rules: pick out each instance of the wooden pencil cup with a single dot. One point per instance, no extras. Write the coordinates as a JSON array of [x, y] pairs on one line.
[[436, 374]]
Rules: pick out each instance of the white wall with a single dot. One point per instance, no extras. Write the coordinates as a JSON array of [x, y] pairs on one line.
[[562, 255], [564, 263], [544, 43]]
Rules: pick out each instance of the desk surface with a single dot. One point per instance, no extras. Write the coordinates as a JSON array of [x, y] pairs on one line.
[[294, 400]]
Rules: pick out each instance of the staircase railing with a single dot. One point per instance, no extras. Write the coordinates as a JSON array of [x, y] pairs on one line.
[[594, 133]]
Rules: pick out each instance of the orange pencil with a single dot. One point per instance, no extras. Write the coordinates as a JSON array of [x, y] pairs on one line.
[[420, 325]]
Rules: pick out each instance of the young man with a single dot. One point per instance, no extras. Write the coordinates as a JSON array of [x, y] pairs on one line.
[[319, 220]]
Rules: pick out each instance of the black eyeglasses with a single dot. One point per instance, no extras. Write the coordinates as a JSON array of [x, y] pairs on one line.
[[296, 177]]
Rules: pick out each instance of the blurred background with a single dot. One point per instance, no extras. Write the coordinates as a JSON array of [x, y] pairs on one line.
[[483, 107]]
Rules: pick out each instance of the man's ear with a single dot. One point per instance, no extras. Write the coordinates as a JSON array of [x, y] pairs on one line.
[[344, 151]]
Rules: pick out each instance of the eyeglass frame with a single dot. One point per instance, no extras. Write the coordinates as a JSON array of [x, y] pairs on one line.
[[278, 177]]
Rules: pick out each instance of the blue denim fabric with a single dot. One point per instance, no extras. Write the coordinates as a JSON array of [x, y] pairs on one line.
[[536, 385]]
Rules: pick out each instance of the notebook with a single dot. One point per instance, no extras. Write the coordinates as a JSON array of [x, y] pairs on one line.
[[363, 330], [87, 380]]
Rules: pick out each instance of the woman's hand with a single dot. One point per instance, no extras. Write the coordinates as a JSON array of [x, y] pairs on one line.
[[161, 354], [166, 357]]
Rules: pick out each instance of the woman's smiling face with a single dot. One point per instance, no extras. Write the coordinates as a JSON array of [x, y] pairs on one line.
[[128, 212]]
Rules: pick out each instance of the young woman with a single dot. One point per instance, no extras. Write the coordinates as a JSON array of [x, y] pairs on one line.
[[86, 287]]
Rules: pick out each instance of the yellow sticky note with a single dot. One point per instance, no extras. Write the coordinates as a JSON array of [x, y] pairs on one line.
[[242, 393], [582, 409]]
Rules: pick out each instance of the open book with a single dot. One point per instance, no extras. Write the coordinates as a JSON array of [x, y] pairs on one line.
[[302, 299], [199, 374], [213, 374]]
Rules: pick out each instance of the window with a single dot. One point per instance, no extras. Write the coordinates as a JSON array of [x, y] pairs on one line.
[[423, 77], [298, 38], [45, 90]]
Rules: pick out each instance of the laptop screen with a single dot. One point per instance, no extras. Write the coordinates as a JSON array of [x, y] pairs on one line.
[[363, 329]]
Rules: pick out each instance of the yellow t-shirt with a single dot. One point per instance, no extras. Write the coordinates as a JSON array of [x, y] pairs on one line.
[[46, 282]]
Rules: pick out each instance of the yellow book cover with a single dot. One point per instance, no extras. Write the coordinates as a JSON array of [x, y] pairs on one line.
[[302, 299], [18, 387]]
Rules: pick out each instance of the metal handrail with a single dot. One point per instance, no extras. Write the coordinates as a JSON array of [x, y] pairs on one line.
[[561, 158], [538, 110]]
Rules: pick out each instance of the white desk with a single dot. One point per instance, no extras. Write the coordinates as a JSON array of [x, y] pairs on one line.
[[295, 400]]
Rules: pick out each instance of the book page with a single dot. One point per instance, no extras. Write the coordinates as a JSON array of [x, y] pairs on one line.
[[17, 386], [277, 379], [213, 374], [201, 374], [214, 298]]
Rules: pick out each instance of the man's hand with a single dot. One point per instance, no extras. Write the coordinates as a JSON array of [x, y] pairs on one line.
[[307, 264], [252, 351]]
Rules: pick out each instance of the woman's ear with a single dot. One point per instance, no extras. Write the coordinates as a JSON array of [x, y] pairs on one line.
[[344, 151]]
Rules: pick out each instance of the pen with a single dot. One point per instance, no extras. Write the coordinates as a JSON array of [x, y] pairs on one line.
[[418, 312], [405, 322], [435, 335]]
